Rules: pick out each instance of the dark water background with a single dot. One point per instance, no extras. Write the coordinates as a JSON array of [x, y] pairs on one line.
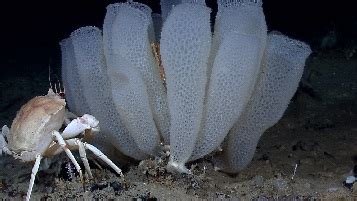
[[31, 30]]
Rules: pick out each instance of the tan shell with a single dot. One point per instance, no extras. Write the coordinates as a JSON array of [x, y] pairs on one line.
[[32, 126]]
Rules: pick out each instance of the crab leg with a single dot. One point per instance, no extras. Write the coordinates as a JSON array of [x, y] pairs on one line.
[[83, 155], [75, 143], [3, 144], [5, 131], [95, 151], [62, 143], [53, 149], [72, 145], [33, 176], [100, 155]]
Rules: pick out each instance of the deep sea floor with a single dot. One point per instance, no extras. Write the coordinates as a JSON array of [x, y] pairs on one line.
[[317, 135]]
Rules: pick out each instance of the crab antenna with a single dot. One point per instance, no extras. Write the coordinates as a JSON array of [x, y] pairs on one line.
[[56, 91], [59, 85], [49, 75]]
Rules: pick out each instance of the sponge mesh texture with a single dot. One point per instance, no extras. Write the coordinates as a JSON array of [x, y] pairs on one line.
[[282, 69], [185, 45]]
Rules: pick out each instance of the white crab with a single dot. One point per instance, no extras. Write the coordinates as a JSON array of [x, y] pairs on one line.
[[35, 134]]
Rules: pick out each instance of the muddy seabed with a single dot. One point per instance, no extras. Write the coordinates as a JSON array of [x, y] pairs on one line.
[[318, 134]]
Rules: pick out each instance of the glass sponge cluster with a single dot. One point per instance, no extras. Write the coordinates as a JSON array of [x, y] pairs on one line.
[[223, 89]]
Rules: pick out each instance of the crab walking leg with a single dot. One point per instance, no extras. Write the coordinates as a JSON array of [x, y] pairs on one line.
[[83, 155], [62, 143], [76, 143], [102, 156], [53, 149], [5, 131], [56, 149], [33, 176], [3, 146]]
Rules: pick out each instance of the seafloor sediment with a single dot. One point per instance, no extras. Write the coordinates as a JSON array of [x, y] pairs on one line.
[[317, 135]]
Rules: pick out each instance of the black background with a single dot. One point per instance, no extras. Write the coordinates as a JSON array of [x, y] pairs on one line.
[[31, 30]]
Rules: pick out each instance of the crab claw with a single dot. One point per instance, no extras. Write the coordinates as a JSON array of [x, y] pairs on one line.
[[91, 121], [5, 131], [3, 144], [79, 125]]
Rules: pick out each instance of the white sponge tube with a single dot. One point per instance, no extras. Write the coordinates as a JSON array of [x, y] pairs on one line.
[[75, 98], [129, 90], [240, 36], [88, 51], [281, 72], [185, 46], [233, 75], [131, 35]]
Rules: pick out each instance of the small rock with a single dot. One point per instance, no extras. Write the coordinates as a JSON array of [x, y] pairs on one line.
[[305, 146], [307, 161], [332, 189], [13, 193], [221, 195], [329, 155], [354, 189], [307, 185], [264, 157], [99, 186], [351, 179], [147, 197], [280, 184], [48, 189], [117, 187], [258, 181]]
